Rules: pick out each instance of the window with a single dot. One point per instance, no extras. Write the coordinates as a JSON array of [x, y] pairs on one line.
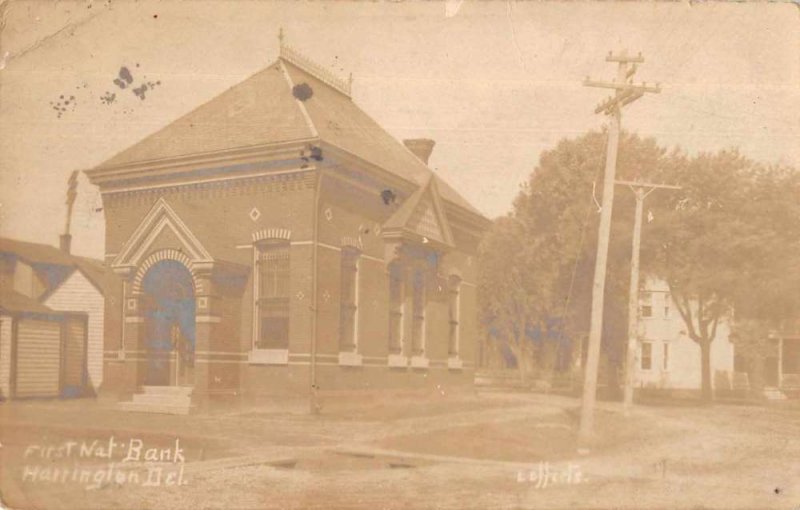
[[453, 314], [396, 307], [665, 361], [348, 316], [666, 305], [418, 313], [272, 295], [646, 362], [647, 304]]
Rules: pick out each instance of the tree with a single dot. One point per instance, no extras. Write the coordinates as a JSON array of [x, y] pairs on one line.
[[537, 262], [715, 243]]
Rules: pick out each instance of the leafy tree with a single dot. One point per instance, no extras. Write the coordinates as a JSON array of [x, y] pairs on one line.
[[716, 244], [537, 262]]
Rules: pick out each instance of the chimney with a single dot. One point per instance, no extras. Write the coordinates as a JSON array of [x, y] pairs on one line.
[[65, 242], [421, 147]]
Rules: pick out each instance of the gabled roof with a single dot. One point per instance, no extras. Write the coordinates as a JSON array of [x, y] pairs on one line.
[[160, 217], [263, 110], [421, 215], [14, 302], [39, 255]]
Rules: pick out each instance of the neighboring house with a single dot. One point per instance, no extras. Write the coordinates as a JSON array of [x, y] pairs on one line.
[[51, 321], [667, 358], [782, 359], [276, 238]]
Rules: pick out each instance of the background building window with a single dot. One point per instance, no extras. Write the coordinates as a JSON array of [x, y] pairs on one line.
[[454, 301], [272, 298], [666, 305], [665, 361], [348, 316], [646, 362], [647, 304], [396, 307]]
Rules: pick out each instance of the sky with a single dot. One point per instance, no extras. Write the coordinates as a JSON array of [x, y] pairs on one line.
[[493, 83]]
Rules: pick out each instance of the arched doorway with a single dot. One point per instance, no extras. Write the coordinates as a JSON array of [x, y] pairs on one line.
[[169, 309]]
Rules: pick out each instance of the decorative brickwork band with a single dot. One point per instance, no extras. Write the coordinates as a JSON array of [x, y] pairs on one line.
[[272, 233], [154, 258]]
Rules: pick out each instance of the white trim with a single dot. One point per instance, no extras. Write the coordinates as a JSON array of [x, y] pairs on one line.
[[306, 116], [268, 357], [209, 181], [159, 217], [455, 363], [419, 362], [397, 360], [207, 319], [134, 320], [350, 359]]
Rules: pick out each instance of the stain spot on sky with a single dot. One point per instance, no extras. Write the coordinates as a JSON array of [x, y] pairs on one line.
[[302, 91], [388, 196], [125, 78]]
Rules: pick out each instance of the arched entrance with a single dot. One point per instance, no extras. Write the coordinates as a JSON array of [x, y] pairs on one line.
[[169, 310]]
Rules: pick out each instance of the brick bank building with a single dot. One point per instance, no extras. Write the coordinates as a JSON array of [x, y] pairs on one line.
[[276, 238]]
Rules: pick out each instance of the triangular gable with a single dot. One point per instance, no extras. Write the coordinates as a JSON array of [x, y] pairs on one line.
[[160, 217], [422, 214]]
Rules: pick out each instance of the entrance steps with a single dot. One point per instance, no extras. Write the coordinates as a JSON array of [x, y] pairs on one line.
[[774, 394], [161, 399]]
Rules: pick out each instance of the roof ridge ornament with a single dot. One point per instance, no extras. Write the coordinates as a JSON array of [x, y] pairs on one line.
[[316, 70]]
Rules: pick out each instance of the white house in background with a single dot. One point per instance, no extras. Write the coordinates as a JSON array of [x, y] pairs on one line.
[[51, 321], [667, 358]]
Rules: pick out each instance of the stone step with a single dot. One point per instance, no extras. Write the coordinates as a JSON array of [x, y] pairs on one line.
[[155, 398], [167, 390], [155, 408], [774, 394]]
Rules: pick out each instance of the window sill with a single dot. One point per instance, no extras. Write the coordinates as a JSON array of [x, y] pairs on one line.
[[419, 362], [455, 363], [269, 357], [398, 360], [350, 359]]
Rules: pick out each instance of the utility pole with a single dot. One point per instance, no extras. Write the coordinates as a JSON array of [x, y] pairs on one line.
[[640, 191], [625, 92]]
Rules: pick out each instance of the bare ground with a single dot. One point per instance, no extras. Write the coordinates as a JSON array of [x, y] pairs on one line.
[[485, 451]]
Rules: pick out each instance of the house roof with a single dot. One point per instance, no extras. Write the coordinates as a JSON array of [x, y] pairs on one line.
[[14, 302], [38, 254], [262, 110]]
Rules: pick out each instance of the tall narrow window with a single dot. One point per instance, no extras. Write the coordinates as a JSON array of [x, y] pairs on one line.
[[666, 305], [646, 363], [348, 316], [396, 307], [272, 299], [665, 361], [418, 314], [454, 299], [647, 304]]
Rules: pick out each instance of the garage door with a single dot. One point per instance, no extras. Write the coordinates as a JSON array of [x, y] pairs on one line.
[[38, 358], [74, 356]]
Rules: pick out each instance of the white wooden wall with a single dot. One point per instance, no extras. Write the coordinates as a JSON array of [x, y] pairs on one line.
[[78, 294]]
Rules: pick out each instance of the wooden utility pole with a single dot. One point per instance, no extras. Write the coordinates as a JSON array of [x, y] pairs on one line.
[[625, 92], [640, 192]]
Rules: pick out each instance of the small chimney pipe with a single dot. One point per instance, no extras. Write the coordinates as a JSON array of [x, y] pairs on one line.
[[421, 147]]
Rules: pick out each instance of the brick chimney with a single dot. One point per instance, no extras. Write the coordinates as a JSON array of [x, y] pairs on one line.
[[65, 242], [421, 147]]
